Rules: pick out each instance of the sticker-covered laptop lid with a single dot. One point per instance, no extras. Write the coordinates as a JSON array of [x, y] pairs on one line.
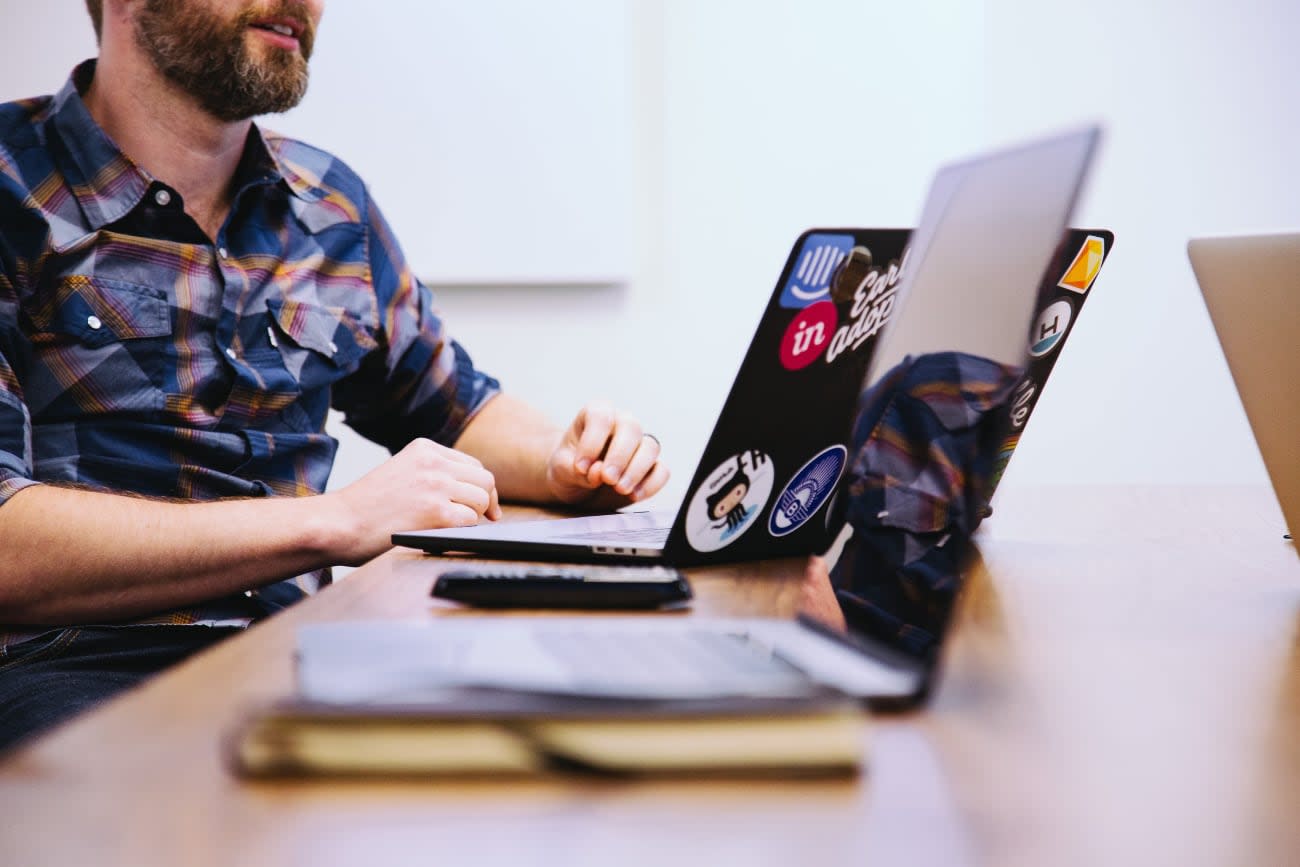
[[780, 447]]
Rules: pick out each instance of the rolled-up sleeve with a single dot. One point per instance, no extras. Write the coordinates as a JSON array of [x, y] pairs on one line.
[[16, 469], [422, 383], [15, 420]]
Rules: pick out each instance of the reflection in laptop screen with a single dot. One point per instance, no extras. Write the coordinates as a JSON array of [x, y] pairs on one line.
[[930, 439]]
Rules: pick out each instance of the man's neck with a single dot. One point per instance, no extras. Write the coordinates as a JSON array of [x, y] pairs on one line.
[[165, 132]]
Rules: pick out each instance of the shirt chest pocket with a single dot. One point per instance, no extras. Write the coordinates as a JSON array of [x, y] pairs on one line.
[[99, 345], [96, 312], [319, 345]]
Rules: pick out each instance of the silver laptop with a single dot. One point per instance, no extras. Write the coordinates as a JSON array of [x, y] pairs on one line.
[[1026, 193], [968, 277], [1251, 286]]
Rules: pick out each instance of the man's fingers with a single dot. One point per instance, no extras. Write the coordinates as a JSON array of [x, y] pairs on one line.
[[563, 468], [451, 476], [455, 477], [448, 513], [647, 452], [622, 447], [472, 496], [593, 426], [652, 483], [604, 449]]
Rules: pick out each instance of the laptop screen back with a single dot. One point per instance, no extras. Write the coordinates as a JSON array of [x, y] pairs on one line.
[[935, 413], [1251, 285]]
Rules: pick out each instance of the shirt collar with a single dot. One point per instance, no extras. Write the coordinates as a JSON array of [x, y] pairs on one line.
[[107, 184], [262, 159]]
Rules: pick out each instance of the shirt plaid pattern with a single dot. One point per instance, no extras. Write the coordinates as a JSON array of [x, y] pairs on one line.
[[928, 447], [137, 355]]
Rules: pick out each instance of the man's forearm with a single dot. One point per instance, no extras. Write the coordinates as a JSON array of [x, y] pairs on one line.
[[69, 555], [514, 441]]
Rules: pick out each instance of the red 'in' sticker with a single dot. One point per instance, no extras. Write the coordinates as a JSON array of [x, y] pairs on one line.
[[808, 335]]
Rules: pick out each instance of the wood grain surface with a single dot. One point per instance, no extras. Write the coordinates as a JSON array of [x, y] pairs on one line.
[[1122, 686]]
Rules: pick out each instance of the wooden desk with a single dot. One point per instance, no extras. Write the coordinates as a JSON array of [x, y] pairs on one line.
[[1123, 687]]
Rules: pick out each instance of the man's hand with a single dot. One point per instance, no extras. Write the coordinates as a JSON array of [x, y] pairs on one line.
[[605, 460], [817, 595], [424, 486]]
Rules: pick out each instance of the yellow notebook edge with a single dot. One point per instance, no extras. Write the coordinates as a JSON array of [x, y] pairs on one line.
[[305, 739]]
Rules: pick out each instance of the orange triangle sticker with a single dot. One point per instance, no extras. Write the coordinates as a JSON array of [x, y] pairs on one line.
[[1083, 270]]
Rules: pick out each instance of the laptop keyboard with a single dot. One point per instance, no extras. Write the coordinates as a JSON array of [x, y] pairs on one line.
[[682, 662], [636, 534]]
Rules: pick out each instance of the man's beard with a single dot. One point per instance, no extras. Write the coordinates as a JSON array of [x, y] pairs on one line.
[[209, 58]]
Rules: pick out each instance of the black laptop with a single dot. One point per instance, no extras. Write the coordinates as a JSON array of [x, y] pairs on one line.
[[990, 261]]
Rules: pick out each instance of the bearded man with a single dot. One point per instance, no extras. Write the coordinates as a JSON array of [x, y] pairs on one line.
[[183, 296]]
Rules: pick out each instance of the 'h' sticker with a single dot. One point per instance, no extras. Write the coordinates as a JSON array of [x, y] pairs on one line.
[[1050, 327]]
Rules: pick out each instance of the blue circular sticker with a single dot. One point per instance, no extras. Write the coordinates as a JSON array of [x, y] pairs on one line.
[[807, 491]]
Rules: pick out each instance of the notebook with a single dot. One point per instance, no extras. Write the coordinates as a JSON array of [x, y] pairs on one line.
[[1251, 286], [960, 249], [490, 733], [991, 243]]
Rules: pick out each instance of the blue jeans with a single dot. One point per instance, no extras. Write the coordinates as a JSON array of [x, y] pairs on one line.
[[55, 676]]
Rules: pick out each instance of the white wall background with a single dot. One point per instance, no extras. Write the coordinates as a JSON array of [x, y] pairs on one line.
[[753, 120], [494, 134]]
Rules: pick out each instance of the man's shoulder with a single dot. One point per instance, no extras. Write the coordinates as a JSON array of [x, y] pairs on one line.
[[21, 129], [316, 167]]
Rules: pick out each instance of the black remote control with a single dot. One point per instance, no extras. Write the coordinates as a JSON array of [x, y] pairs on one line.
[[491, 586]]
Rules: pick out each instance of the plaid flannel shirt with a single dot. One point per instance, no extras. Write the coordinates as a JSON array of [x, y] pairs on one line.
[[138, 355]]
